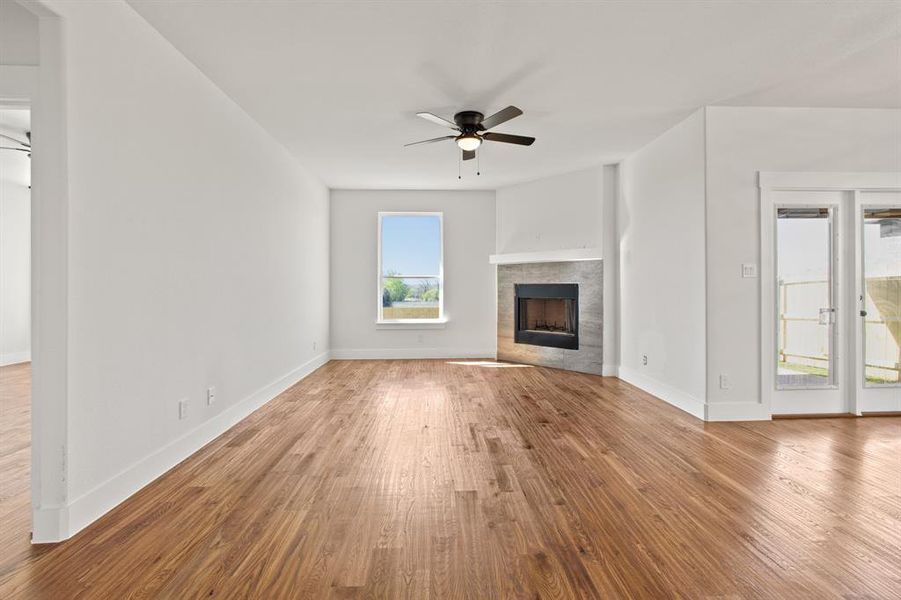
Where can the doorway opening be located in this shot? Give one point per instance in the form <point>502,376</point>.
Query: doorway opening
<point>15,325</point>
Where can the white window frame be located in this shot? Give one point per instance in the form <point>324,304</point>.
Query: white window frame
<point>411,323</point>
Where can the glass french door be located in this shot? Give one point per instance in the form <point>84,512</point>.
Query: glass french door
<point>879,301</point>
<point>811,377</point>
<point>837,302</point>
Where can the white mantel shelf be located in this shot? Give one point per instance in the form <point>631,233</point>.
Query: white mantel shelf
<point>546,256</point>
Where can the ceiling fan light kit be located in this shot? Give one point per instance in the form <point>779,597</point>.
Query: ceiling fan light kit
<point>473,129</point>
<point>469,141</point>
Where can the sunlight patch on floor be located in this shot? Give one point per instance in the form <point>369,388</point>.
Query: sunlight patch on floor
<point>488,363</point>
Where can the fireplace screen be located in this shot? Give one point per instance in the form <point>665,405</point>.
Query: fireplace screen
<point>547,315</point>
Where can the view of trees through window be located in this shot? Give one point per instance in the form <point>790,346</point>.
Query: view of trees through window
<point>410,266</point>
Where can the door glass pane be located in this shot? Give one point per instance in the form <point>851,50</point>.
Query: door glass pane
<point>882,295</point>
<point>805,297</point>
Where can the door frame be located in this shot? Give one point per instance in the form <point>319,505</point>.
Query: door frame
<point>779,181</point>
<point>43,89</point>
<point>876,402</point>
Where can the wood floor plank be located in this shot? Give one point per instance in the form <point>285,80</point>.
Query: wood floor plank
<point>451,479</point>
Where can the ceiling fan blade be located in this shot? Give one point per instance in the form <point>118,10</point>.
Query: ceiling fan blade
<point>502,116</point>
<point>508,138</point>
<point>12,139</point>
<point>19,149</point>
<point>437,120</point>
<point>469,154</point>
<point>437,139</point>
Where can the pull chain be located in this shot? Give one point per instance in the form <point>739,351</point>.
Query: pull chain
<point>478,163</point>
<point>459,163</point>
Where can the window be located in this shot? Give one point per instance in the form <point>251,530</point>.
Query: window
<point>411,268</point>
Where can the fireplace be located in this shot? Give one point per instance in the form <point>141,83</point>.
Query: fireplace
<point>547,314</point>
<point>527,312</point>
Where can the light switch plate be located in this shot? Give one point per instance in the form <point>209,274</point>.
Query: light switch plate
<point>725,384</point>
<point>749,270</point>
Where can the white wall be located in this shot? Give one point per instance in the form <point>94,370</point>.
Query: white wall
<point>197,256</point>
<point>662,253</point>
<point>563,212</point>
<point>469,280</point>
<point>15,267</point>
<point>610,253</point>
<point>741,142</point>
<point>18,35</point>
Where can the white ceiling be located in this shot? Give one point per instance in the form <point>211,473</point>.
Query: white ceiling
<point>339,83</point>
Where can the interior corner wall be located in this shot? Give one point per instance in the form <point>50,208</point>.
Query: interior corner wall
<point>196,255</point>
<point>562,212</point>
<point>610,254</point>
<point>741,141</point>
<point>661,221</point>
<point>470,296</point>
<point>569,211</point>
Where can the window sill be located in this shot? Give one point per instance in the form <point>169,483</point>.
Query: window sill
<point>412,324</point>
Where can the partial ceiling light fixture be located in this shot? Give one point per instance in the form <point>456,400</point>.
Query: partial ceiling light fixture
<point>22,146</point>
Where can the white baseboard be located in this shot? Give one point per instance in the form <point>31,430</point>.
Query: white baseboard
<point>737,411</point>
<point>411,353</point>
<point>610,371</point>
<point>49,524</point>
<point>14,358</point>
<point>65,521</point>
<point>670,395</point>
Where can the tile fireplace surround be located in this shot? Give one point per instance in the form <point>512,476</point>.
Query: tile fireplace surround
<point>589,275</point>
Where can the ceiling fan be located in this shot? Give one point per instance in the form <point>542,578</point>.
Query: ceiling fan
<point>473,129</point>
<point>22,146</point>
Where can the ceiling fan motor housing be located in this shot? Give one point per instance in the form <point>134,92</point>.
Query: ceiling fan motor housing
<point>469,121</point>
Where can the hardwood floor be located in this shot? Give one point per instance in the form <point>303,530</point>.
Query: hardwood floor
<point>15,466</point>
<point>395,479</point>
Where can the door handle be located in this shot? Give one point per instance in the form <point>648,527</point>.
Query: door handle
<point>863,313</point>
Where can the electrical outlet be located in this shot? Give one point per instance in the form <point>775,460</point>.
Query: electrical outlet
<point>314,346</point>
<point>644,359</point>
<point>210,396</point>
<point>182,409</point>
<point>725,384</point>
<point>749,270</point>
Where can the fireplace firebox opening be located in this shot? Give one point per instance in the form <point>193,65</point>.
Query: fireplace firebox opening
<point>547,314</point>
